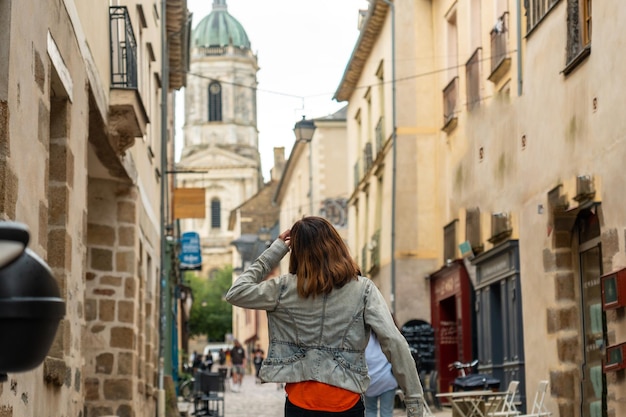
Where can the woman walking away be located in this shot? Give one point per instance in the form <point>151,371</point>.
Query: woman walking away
<point>320,316</point>
<point>381,393</point>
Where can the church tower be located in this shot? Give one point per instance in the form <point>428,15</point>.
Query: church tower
<point>220,130</point>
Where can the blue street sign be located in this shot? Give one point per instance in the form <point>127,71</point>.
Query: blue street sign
<point>190,255</point>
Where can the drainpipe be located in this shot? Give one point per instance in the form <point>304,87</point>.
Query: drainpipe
<point>164,135</point>
<point>394,152</point>
<point>519,47</point>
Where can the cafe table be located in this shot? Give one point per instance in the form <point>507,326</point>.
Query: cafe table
<point>474,403</point>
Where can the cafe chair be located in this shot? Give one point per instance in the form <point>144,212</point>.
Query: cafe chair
<point>539,409</point>
<point>507,409</point>
<point>209,394</point>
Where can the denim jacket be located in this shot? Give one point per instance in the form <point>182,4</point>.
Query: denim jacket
<point>323,338</point>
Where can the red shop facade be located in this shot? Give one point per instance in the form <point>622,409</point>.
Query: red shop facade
<point>451,301</point>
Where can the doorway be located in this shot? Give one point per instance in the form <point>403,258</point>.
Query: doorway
<point>593,319</point>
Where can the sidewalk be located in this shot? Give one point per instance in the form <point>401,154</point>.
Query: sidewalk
<point>267,400</point>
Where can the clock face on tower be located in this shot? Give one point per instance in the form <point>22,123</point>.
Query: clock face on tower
<point>215,89</point>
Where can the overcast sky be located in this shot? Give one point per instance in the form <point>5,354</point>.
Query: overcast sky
<point>303,47</point>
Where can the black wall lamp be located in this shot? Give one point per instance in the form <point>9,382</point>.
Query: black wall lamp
<point>30,303</point>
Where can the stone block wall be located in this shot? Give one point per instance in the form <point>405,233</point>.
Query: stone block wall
<point>120,348</point>
<point>564,315</point>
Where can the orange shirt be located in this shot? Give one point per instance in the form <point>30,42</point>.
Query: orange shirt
<point>313,395</point>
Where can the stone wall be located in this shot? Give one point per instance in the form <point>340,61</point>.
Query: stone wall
<point>120,359</point>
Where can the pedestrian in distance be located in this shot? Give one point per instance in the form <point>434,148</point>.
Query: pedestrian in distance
<point>238,358</point>
<point>320,315</point>
<point>222,357</point>
<point>257,358</point>
<point>207,363</point>
<point>196,362</point>
<point>381,393</point>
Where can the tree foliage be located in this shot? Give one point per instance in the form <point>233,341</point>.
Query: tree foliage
<point>211,315</point>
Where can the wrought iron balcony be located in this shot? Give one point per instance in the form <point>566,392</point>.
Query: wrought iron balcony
<point>380,135</point>
<point>364,259</point>
<point>127,114</point>
<point>123,49</point>
<point>367,156</point>
<point>500,61</point>
<point>472,71</point>
<point>374,248</point>
<point>450,98</point>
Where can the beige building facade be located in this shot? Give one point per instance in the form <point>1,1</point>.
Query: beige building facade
<point>507,170</point>
<point>374,165</point>
<point>314,181</point>
<point>532,158</point>
<point>80,127</point>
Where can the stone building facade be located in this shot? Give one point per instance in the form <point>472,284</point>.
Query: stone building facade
<point>80,135</point>
<point>255,223</point>
<point>509,133</point>
<point>220,152</point>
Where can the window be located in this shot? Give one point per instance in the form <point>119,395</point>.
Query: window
<point>472,229</point>
<point>216,218</point>
<point>472,72</point>
<point>449,241</point>
<point>215,102</point>
<point>578,30</point>
<point>536,10</point>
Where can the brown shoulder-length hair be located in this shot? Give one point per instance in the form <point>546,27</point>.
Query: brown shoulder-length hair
<point>319,257</point>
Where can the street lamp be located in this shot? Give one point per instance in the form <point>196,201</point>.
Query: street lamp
<point>304,131</point>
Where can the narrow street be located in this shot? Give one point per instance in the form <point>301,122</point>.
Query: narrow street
<point>266,400</point>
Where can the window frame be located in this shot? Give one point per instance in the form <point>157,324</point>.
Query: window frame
<point>579,18</point>
<point>214,102</point>
<point>216,215</point>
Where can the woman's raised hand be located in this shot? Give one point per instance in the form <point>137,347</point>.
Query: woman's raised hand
<point>285,237</point>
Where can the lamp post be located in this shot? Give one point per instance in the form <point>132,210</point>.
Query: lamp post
<point>304,131</point>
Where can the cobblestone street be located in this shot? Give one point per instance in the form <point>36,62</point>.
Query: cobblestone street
<point>266,400</point>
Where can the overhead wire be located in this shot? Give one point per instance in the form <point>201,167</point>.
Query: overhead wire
<point>360,87</point>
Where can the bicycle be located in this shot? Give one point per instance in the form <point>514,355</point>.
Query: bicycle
<point>185,388</point>
<point>463,368</point>
<point>468,379</point>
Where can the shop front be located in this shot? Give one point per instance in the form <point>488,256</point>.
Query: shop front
<point>498,307</point>
<point>452,320</point>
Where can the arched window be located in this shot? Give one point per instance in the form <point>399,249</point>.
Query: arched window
<point>216,218</point>
<point>215,102</point>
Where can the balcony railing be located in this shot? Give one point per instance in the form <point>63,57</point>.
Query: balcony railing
<point>472,71</point>
<point>380,135</point>
<point>123,49</point>
<point>449,240</point>
<point>498,42</point>
<point>364,259</point>
<point>375,251</point>
<point>126,108</point>
<point>450,97</point>
<point>500,61</point>
<point>367,156</point>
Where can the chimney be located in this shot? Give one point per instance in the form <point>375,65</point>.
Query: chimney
<point>279,164</point>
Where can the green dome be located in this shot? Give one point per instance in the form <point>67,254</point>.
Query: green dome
<point>219,28</point>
